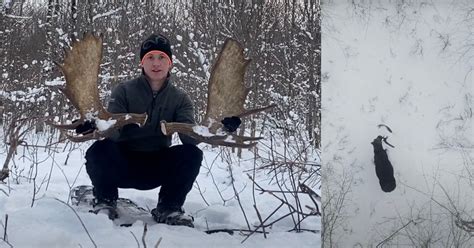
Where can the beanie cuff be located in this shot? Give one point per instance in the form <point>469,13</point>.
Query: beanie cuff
<point>158,52</point>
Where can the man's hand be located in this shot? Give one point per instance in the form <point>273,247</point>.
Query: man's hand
<point>231,123</point>
<point>86,127</point>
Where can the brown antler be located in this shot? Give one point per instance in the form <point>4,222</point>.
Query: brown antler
<point>81,69</point>
<point>226,97</point>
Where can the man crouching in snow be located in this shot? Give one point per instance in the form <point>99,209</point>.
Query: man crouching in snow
<point>141,157</point>
<point>383,166</point>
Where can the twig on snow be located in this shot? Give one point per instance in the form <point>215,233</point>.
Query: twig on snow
<point>145,229</point>
<point>136,240</point>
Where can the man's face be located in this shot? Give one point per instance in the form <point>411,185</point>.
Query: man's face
<point>156,65</point>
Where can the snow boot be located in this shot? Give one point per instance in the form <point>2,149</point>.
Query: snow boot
<point>172,216</point>
<point>106,205</point>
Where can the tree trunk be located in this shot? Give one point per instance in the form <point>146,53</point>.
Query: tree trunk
<point>49,16</point>
<point>73,11</point>
<point>2,110</point>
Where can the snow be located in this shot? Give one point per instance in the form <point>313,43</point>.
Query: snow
<point>108,13</point>
<point>18,17</point>
<point>36,208</point>
<point>103,125</point>
<point>407,65</point>
<point>203,131</point>
<point>60,31</point>
<point>229,139</point>
<point>55,82</point>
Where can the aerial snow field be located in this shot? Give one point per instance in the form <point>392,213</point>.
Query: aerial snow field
<point>406,64</point>
<point>42,219</point>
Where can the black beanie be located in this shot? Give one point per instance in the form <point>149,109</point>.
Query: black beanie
<point>156,42</point>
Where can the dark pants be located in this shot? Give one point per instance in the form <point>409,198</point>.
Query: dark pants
<point>175,169</point>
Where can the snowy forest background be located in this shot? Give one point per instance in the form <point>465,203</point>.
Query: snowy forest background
<point>275,187</point>
<point>282,39</point>
<point>408,65</point>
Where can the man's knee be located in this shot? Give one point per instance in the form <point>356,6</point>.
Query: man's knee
<point>193,152</point>
<point>100,148</point>
<point>100,155</point>
<point>188,155</point>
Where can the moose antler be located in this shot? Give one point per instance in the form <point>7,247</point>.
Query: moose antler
<point>81,69</point>
<point>226,98</point>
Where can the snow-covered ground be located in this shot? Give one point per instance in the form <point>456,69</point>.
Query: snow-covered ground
<point>51,223</point>
<point>406,64</point>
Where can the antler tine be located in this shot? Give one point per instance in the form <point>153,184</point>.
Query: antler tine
<point>230,144</point>
<point>254,111</point>
<point>77,139</point>
<point>90,136</point>
<point>96,134</point>
<point>223,139</point>
<point>64,126</point>
<point>229,140</point>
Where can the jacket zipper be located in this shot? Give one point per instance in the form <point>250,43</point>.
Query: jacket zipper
<point>152,107</point>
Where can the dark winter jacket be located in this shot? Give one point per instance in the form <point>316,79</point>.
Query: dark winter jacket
<point>136,96</point>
